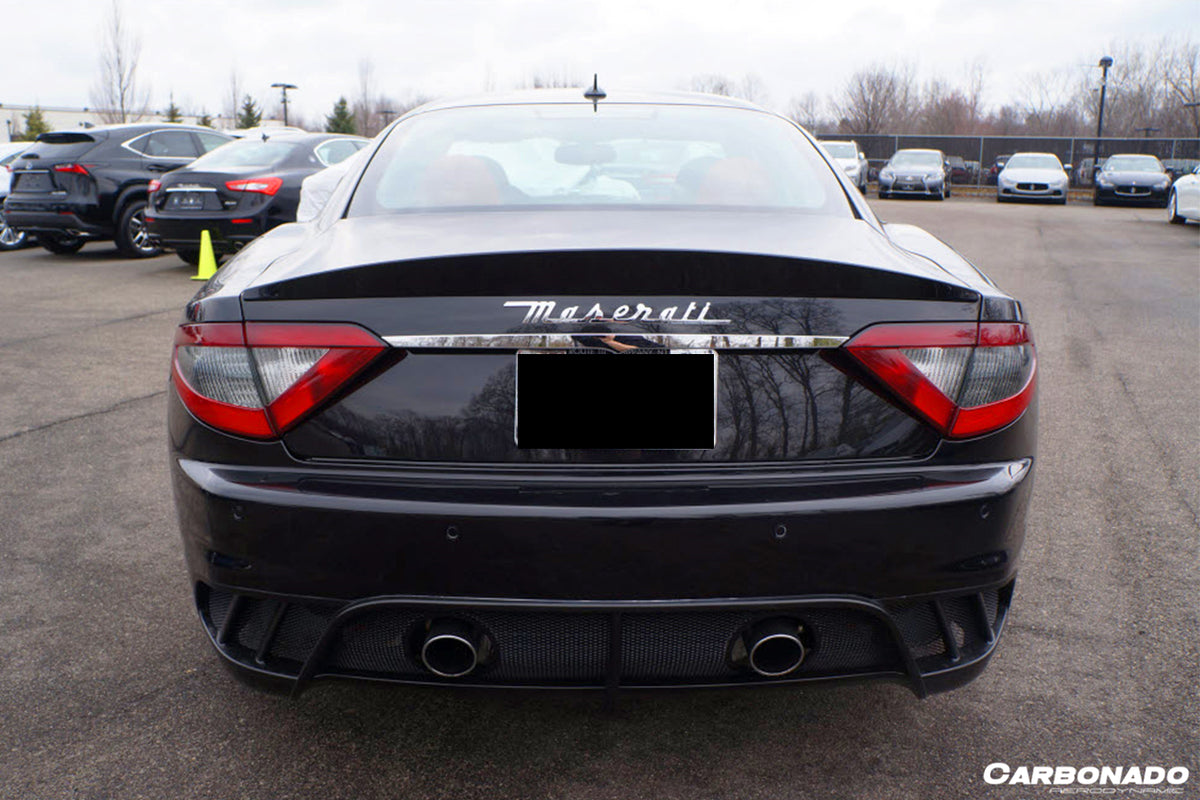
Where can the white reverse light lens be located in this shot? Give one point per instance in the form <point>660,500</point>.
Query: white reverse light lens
<point>281,367</point>
<point>943,366</point>
<point>220,373</point>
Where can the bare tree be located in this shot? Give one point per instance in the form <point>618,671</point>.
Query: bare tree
<point>1181,73</point>
<point>364,104</point>
<point>808,112</point>
<point>550,78</point>
<point>750,87</point>
<point>233,100</point>
<point>877,99</point>
<point>117,95</point>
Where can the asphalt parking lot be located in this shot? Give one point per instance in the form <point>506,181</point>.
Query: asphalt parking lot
<point>108,687</point>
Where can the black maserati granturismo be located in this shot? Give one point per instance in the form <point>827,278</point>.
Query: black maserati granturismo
<point>588,391</point>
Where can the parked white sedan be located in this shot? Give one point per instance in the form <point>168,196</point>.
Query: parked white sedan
<point>1184,202</point>
<point>1032,176</point>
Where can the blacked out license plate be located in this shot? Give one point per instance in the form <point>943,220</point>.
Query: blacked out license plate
<point>660,401</point>
<point>186,201</point>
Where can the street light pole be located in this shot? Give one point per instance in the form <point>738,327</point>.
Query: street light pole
<point>1105,63</point>
<point>283,90</point>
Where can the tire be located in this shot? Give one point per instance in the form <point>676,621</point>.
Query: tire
<point>62,245</point>
<point>189,256</point>
<point>1173,209</point>
<point>11,238</point>
<point>132,237</point>
<point>883,195</point>
<point>999,199</point>
<point>1096,201</point>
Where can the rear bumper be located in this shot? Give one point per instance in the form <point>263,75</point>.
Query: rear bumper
<point>343,535</point>
<point>55,221</point>
<point>931,644</point>
<point>184,232</point>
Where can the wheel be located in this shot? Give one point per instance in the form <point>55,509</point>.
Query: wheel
<point>189,256</point>
<point>947,190</point>
<point>942,195</point>
<point>883,195</point>
<point>61,245</point>
<point>1173,210</point>
<point>132,237</point>
<point>1062,201</point>
<point>11,238</point>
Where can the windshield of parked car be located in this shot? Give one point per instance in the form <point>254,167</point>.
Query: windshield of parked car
<point>1133,164</point>
<point>1031,161</point>
<point>245,153</point>
<point>915,158</point>
<point>841,149</point>
<point>571,155</point>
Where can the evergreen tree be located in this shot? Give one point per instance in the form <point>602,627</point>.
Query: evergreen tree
<point>35,125</point>
<point>204,119</point>
<point>173,114</point>
<point>341,120</point>
<point>249,116</point>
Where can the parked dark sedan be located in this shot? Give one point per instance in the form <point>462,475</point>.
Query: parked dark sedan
<point>627,391</point>
<point>1132,179</point>
<point>996,168</point>
<point>75,186</point>
<point>241,190</point>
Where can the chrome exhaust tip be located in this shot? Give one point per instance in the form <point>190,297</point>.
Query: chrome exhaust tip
<point>451,648</point>
<point>774,647</point>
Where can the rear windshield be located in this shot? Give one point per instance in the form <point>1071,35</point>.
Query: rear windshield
<point>245,153</point>
<point>571,155</point>
<point>840,149</point>
<point>1034,162</point>
<point>60,146</point>
<point>1133,164</point>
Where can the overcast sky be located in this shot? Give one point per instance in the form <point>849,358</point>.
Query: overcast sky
<point>453,47</point>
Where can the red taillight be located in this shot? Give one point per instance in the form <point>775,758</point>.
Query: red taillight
<point>78,169</point>
<point>261,379</point>
<point>267,186</point>
<point>965,379</point>
<point>154,184</point>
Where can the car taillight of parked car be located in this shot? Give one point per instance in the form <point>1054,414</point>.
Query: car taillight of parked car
<point>267,186</point>
<point>260,379</point>
<point>77,169</point>
<point>965,379</point>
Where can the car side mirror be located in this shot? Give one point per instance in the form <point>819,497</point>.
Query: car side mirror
<point>1067,167</point>
<point>862,156</point>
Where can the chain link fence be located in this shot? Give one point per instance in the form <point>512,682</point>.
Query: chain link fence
<point>979,153</point>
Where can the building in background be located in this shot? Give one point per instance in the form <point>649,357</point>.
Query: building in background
<point>12,119</point>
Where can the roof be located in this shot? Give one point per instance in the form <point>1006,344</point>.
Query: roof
<point>575,96</point>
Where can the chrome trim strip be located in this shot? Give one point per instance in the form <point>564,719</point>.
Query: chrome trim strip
<point>187,188</point>
<point>567,341</point>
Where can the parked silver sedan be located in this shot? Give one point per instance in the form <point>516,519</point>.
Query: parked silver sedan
<point>915,172</point>
<point>1033,176</point>
<point>852,161</point>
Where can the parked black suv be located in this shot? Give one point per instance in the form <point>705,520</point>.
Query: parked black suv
<point>75,186</point>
